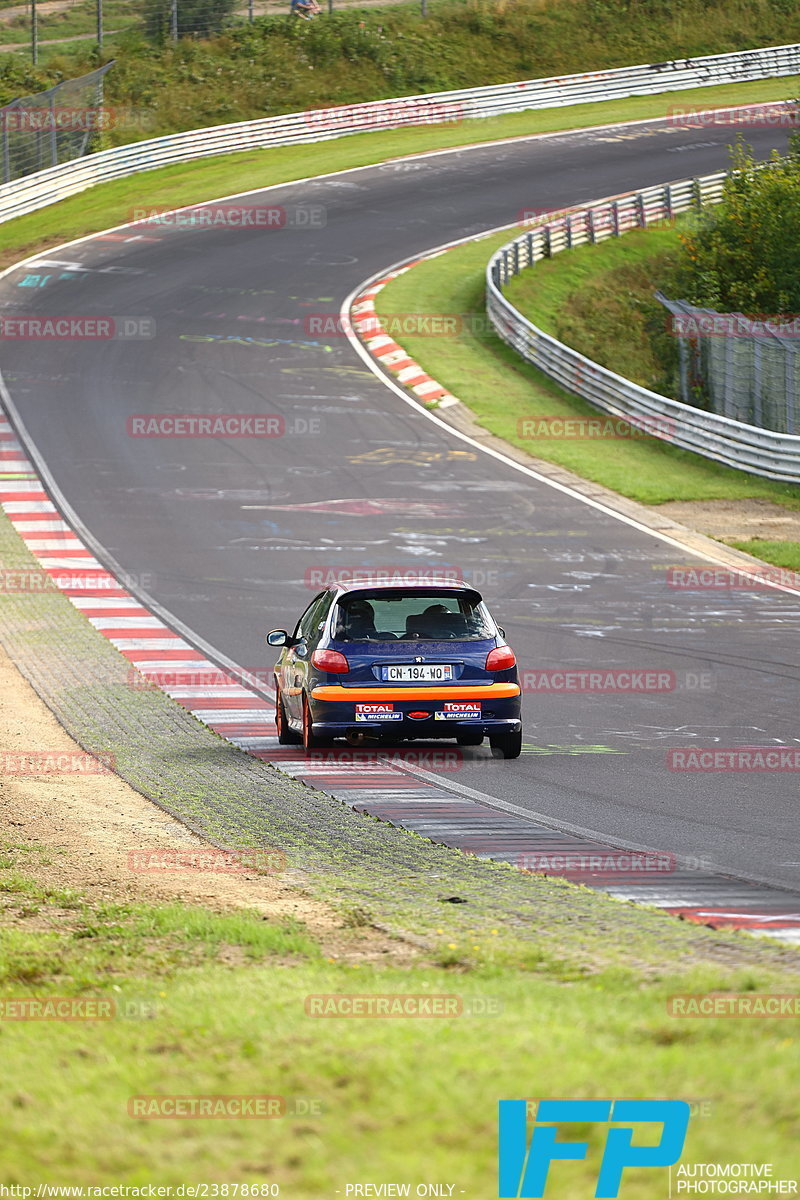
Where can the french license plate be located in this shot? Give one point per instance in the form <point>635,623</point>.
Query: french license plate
<point>418,673</point>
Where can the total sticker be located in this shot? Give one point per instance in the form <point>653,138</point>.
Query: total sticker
<point>459,711</point>
<point>377,712</point>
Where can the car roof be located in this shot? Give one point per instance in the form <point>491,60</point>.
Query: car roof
<point>375,585</point>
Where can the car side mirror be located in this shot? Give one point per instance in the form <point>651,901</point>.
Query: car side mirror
<point>501,631</point>
<point>277,637</point>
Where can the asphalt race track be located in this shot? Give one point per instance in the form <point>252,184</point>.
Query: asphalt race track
<point>232,536</point>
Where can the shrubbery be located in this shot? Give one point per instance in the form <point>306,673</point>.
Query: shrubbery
<point>280,64</point>
<point>744,255</point>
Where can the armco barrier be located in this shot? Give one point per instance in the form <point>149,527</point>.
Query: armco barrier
<point>45,187</point>
<point>746,447</point>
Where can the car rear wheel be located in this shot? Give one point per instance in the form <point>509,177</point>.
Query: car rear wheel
<point>311,740</point>
<point>509,744</point>
<point>470,737</point>
<point>286,735</point>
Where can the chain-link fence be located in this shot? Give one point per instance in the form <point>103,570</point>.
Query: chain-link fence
<point>53,127</point>
<point>740,367</point>
<point>44,29</point>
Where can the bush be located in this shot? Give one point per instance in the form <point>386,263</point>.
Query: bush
<point>744,254</point>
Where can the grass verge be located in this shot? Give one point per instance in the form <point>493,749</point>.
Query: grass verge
<point>211,1004</point>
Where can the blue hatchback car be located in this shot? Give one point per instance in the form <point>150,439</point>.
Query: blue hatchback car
<point>393,662</point>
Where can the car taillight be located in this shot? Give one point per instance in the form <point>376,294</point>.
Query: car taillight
<point>330,660</point>
<point>500,659</point>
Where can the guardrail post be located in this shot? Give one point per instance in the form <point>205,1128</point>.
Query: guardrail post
<point>758,415</point>
<point>529,240</point>
<point>641,215</point>
<point>789,385</point>
<point>568,230</point>
<point>697,193</point>
<point>615,218</point>
<point>53,135</point>
<point>590,225</point>
<point>668,201</point>
<point>516,258</point>
<point>546,249</point>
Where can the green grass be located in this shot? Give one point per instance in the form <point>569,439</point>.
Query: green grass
<point>599,300</point>
<point>502,390</point>
<point>208,1008</point>
<point>68,22</point>
<point>781,554</point>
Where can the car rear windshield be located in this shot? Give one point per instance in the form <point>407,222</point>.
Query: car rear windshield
<point>411,616</point>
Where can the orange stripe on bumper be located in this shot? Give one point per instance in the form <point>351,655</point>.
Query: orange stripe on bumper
<point>479,691</point>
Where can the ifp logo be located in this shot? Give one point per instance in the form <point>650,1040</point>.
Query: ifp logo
<point>524,1167</point>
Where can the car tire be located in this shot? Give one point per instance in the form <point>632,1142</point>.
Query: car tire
<point>311,740</point>
<point>509,744</point>
<point>286,735</point>
<point>470,737</point>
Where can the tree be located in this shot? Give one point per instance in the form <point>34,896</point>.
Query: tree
<point>743,255</point>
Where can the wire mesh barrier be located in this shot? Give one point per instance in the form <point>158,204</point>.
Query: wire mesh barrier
<point>52,127</point>
<point>745,368</point>
<point>732,440</point>
<point>45,187</point>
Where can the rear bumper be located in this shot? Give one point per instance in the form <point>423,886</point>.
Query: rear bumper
<point>424,730</point>
<point>432,693</point>
<point>385,712</point>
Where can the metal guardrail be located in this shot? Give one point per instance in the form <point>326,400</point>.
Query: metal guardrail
<point>734,443</point>
<point>46,187</point>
